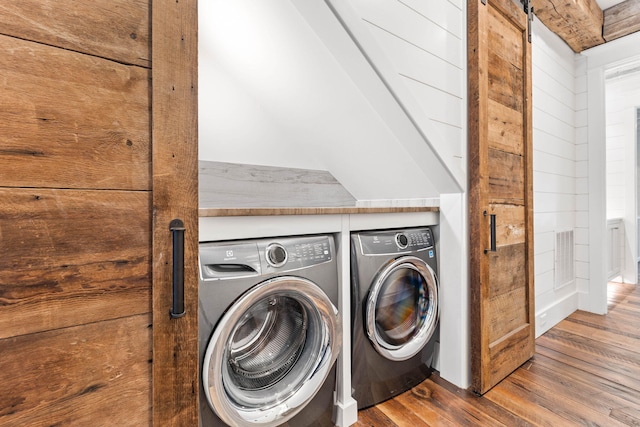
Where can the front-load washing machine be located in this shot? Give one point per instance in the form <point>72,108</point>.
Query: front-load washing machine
<point>269,331</point>
<point>394,311</point>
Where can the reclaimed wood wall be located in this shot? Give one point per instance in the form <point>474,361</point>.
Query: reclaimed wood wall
<point>76,213</point>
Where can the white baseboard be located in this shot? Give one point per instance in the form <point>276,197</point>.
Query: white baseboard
<point>553,314</point>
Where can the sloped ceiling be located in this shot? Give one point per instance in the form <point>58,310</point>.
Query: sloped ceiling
<point>283,84</point>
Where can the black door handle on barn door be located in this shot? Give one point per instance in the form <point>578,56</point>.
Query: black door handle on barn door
<point>176,227</point>
<point>492,230</point>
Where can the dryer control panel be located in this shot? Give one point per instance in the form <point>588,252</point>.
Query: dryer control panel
<point>396,241</point>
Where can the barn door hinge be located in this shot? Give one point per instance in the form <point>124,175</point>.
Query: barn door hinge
<point>528,9</point>
<point>484,2</point>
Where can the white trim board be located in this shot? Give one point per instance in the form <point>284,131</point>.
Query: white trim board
<point>550,316</point>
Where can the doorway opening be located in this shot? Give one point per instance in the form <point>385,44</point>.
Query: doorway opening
<point>622,164</point>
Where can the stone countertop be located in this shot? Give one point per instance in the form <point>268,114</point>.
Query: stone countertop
<point>229,189</point>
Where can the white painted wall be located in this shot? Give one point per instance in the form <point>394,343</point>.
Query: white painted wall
<point>273,92</point>
<point>622,91</point>
<point>423,42</point>
<point>581,230</point>
<point>554,170</point>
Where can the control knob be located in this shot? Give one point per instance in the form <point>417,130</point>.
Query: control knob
<point>402,240</point>
<point>276,255</point>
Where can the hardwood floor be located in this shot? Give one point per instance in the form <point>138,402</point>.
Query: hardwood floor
<point>586,372</point>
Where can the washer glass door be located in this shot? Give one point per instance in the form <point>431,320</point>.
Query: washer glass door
<point>271,352</point>
<point>402,308</point>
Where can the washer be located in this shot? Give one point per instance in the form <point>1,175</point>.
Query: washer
<point>394,311</point>
<point>269,331</point>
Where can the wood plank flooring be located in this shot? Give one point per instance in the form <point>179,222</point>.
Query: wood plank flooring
<point>586,372</point>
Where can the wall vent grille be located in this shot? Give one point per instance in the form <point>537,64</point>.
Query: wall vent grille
<point>564,271</point>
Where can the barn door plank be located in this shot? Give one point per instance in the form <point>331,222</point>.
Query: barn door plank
<point>115,29</point>
<point>175,196</point>
<point>500,191</point>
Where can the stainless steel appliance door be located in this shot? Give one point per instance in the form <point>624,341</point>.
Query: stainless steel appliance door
<point>271,352</point>
<point>402,308</point>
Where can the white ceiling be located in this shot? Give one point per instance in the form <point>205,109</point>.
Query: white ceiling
<point>606,4</point>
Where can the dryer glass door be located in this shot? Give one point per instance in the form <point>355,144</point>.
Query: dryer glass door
<point>271,352</point>
<point>402,308</point>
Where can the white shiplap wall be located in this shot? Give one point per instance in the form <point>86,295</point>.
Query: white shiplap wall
<point>424,42</point>
<point>622,99</point>
<point>555,128</point>
<point>616,109</point>
<point>581,238</point>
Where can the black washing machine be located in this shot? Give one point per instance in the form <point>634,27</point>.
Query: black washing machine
<point>394,311</point>
<point>269,332</point>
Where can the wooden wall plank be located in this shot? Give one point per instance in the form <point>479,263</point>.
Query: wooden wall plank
<point>507,312</point>
<point>577,22</point>
<point>504,41</point>
<point>510,224</point>
<point>70,257</point>
<point>50,227</point>
<point>507,270</point>
<point>175,195</point>
<point>505,82</point>
<point>505,128</point>
<point>507,351</point>
<point>72,121</point>
<point>96,374</point>
<point>114,29</point>
<point>506,177</point>
<point>621,20</point>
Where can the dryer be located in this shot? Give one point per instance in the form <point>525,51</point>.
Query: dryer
<point>269,331</point>
<point>394,311</point>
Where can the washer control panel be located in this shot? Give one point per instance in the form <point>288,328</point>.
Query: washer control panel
<point>395,241</point>
<point>299,253</point>
<point>236,259</point>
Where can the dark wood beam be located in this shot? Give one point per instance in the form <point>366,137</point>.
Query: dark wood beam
<point>621,20</point>
<point>577,22</point>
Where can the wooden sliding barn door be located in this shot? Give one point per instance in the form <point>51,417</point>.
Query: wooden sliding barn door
<point>98,154</point>
<point>500,190</point>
